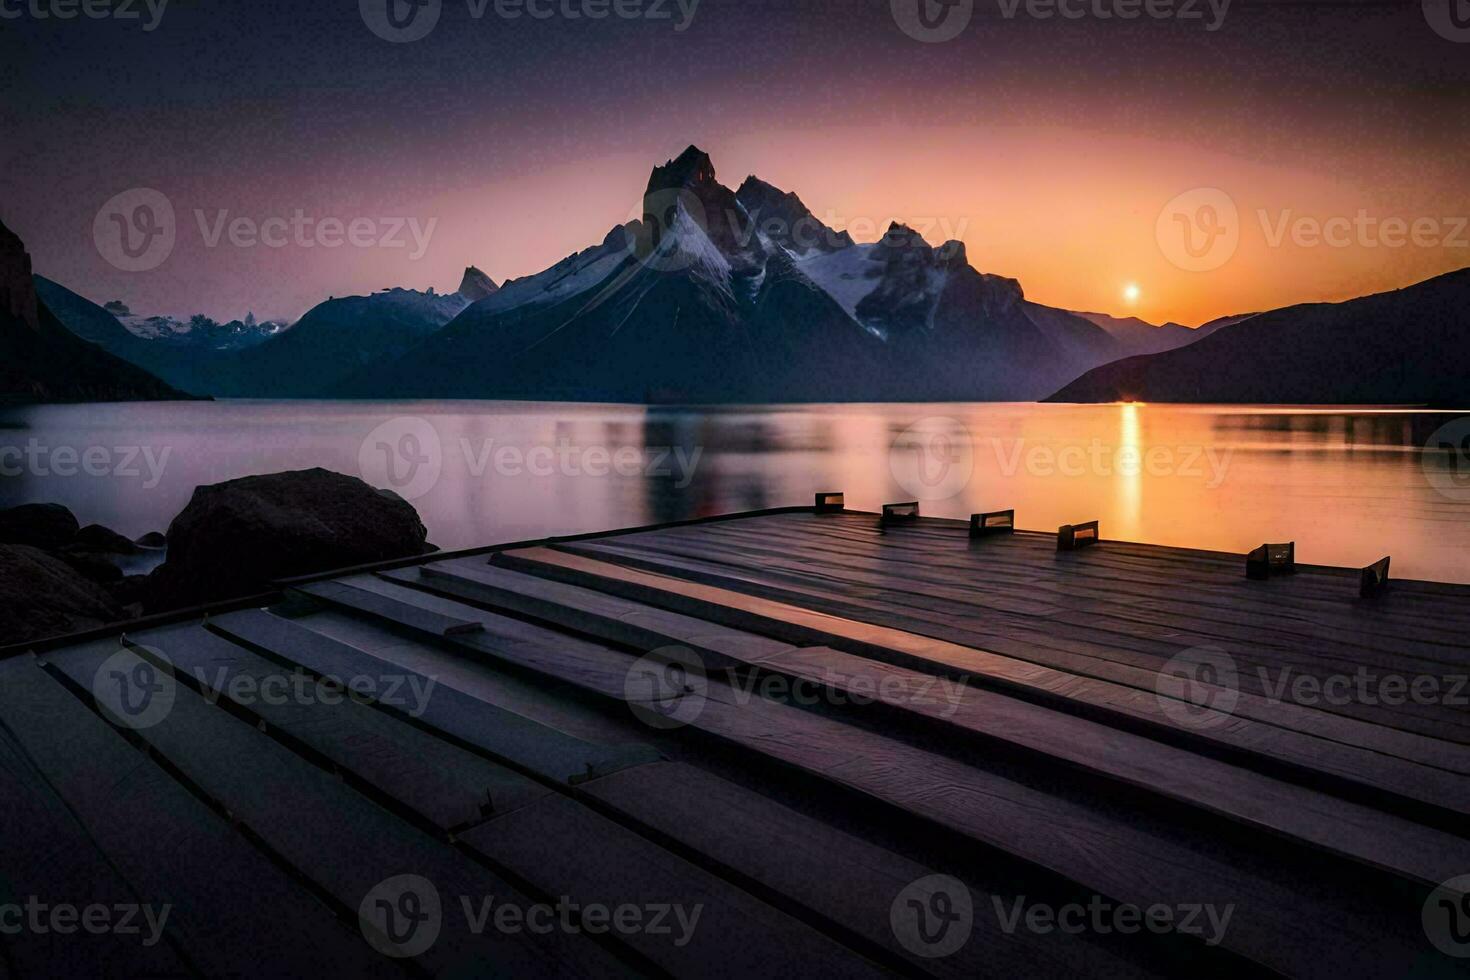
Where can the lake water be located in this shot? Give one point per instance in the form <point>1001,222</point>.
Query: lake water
<point>1348,485</point>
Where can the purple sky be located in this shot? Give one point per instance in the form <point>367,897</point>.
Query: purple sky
<point>1048,144</point>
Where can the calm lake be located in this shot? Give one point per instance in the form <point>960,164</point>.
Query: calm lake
<point>1348,485</point>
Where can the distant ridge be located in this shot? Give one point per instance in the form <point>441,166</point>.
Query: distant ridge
<point>1407,346</point>
<point>42,361</point>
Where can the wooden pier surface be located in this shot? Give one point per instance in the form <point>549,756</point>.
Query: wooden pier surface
<point>790,721</point>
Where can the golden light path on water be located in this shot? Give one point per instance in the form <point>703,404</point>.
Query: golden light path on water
<point>1349,485</point>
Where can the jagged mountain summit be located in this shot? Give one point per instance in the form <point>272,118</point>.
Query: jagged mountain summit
<point>716,295</point>
<point>475,285</point>
<point>42,361</point>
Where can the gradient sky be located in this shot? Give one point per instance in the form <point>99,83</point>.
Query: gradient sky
<point>1049,146</point>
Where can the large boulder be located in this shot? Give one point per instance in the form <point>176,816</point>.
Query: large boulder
<point>98,540</point>
<point>235,538</point>
<point>41,596</point>
<point>38,526</point>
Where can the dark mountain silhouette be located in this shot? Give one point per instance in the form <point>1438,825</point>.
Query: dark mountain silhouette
<point>475,285</point>
<point>1409,346</point>
<point>333,340</point>
<point>1141,337</point>
<point>722,296</point>
<point>42,361</point>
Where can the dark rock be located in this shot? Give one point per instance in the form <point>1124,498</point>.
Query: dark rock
<point>38,526</point>
<point>236,538</point>
<point>129,589</point>
<point>99,540</point>
<point>41,596</point>
<point>93,567</point>
<point>153,539</point>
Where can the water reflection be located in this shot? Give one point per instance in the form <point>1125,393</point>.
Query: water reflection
<point>1349,486</point>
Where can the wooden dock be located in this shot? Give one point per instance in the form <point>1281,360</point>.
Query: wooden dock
<point>791,722</point>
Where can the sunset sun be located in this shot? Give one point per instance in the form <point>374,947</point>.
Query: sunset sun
<point>1131,292</point>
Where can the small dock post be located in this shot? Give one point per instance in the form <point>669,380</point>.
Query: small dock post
<point>1071,537</point>
<point>899,513</point>
<point>1270,560</point>
<point>1375,579</point>
<point>830,503</point>
<point>995,522</point>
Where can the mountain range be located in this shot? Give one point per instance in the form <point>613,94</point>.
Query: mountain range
<point>43,361</point>
<point>1406,346</point>
<point>718,295</point>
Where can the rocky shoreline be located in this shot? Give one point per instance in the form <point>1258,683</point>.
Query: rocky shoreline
<point>233,539</point>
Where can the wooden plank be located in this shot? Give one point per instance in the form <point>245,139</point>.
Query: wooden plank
<point>1291,911</point>
<point>1318,751</point>
<point>346,845</point>
<point>713,928</point>
<point>1389,843</point>
<point>924,574</point>
<point>173,850</point>
<point>1116,570</point>
<point>502,734</point>
<point>443,785</point>
<point>1160,627</point>
<point>46,854</point>
<point>1117,566</point>
<point>423,620</point>
<point>846,881</point>
<point>1338,827</point>
<point>940,624</point>
<point>597,614</point>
